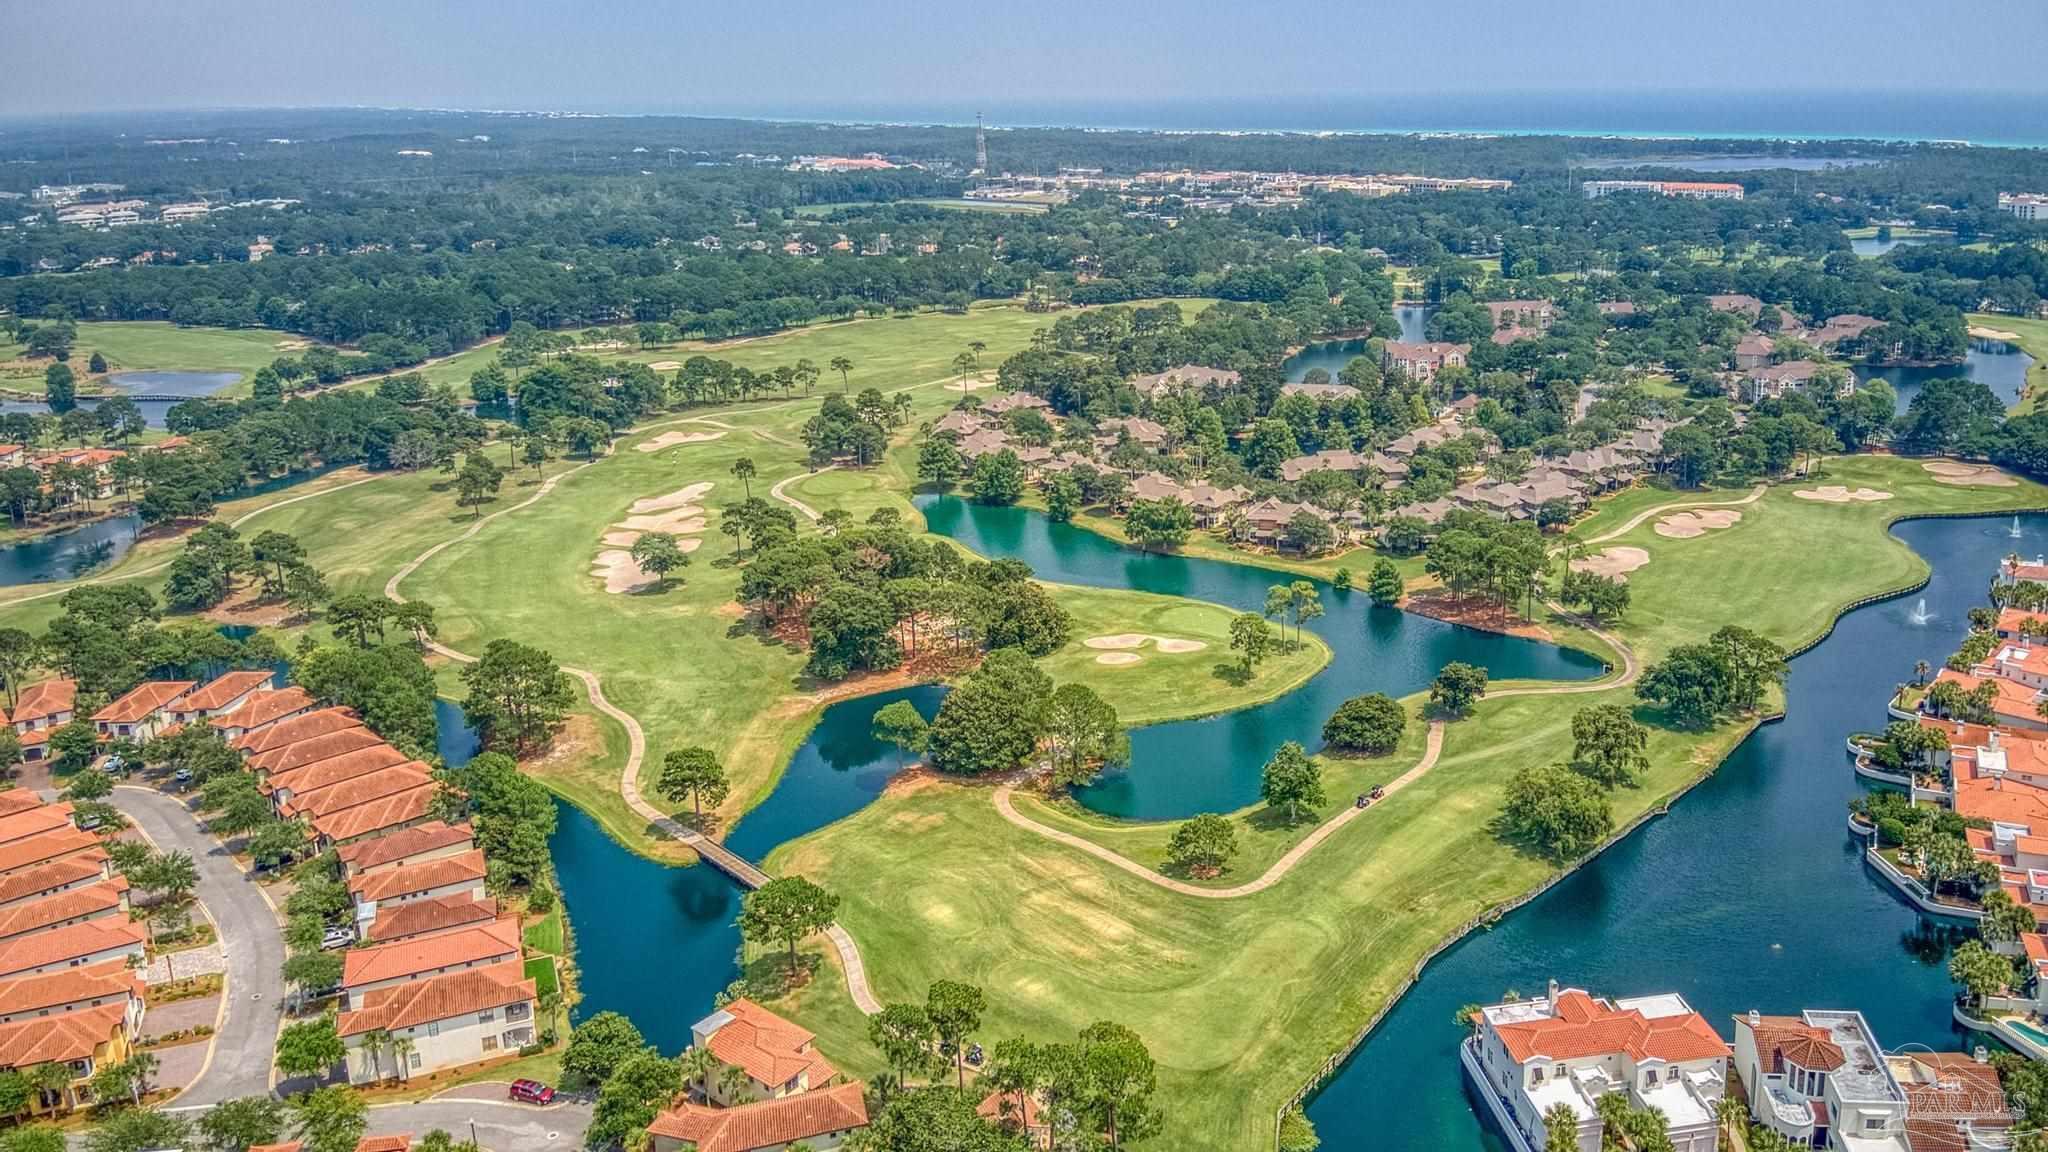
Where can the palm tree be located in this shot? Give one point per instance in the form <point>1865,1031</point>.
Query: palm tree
<point>51,1079</point>
<point>140,1066</point>
<point>743,471</point>
<point>1920,671</point>
<point>1560,1128</point>
<point>375,1043</point>
<point>842,365</point>
<point>401,1049</point>
<point>732,1084</point>
<point>698,1064</point>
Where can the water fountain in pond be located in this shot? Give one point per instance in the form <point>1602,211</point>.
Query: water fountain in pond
<point>1919,615</point>
<point>2014,531</point>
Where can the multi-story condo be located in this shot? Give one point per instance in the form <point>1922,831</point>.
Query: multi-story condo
<point>1820,1080</point>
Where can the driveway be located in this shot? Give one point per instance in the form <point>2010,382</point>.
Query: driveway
<point>501,1126</point>
<point>240,1064</point>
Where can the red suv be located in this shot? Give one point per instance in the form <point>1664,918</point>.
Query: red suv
<point>532,1092</point>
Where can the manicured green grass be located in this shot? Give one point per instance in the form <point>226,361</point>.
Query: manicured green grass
<point>2033,340</point>
<point>140,345</point>
<point>545,934</point>
<point>1242,999</point>
<point>1165,685</point>
<point>541,970</point>
<point>1007,207</point>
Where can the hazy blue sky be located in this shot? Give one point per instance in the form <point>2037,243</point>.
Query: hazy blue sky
<point>818,56</point>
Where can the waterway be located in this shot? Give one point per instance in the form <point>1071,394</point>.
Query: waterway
<point>1748,894</point>
<point>181,384</point>
<point>1332,355</point>
<point>1995,364</point>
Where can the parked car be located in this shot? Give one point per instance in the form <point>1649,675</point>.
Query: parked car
<point>114,766</point>
<point>88,822</point>
<point>974,1055</point>
<point>337,938</point>
<point>182,779</point>
<point>532,1092</point>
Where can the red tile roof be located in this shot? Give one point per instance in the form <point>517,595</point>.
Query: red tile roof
<point>41,849</point>
<point>71,1036</point>
<point>438,998</point>
<point>767,1124</point>
<point>420,877</point>
<point>295,754</point>
<point>225,689</point>
<point>426,917</point>
<point>432,836</point>
<point>1014,1111</point>
<point>70,942</point>
<point>36,915</point>
<point>297,728</point>
<point>393,811</point>
<point>320,774</point>
<point>34,822</point>
<point>771,1049</point>
<point>142,700</point>
<point>70,986</point>
<point>18,800</point>
<point>1782,1038</point>
<point>357,790</point>
<point>1583,1026</point>
<point>44,699</point>
<point>266,707</point>
<point>398,1143</point>
<point>60,873</point>
<point>496,941</point>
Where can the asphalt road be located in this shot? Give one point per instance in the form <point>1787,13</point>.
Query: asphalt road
<point>501,1126</point>
<point>252,942</point>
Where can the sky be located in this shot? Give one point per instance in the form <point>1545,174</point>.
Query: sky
<point>825,57</point>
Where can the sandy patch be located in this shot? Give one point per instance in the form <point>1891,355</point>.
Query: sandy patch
<point>1128,640</point>
<point>1836,494</point>
<point>1612,562</point>
<point>1120,640</point>
<point>666,365</point>
<point>619,573</point>
<point>621,539</point>
<point>1969,475</point>
<point>671,439</point>
<point>675,499</point>
<point>1168,644</point>
<point>1118,658</point>
<point>1686,525</point>
<point>969,385</point>
<point>678,522</point>
<point>1977,333</point>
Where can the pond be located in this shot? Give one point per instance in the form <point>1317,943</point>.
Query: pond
<point>1748,894</point>
<point>1997,365</point>
<point>181,385</point>
<point>1871,246</point>
<point>1332,355</point>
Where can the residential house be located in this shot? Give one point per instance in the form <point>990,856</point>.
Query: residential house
<point>1955,1102</point>
<point>983,442</point>
<point>1746,304</point>
<point>36,852</point>
<point>778,1057</point>
<point>461,875</point>
<point>1187,377</point>
<point>1431,512</point>
<point>1210,503</point>
<point>224,693</point>
<point>292,786</point>
<point>1409,443</point>
<point>41,708</point>
<point>73,946</point>
<point>1847,329</point>
<point>365,970</point>
<point>98,462</point>
<point>1820,1079</point>
<point>2014,570</point>
<point>282,761</point>
<point>433,840</point>
<point>1018,1113</point>
<point>1774,380</point>
<point>1567,1048</point>
<point>1269,518</point>
<point>84,1041</point>
<point>428,917</point>
<point>35,821</point>
<point>444,1021</point>
<point>64,874</point>
<point>1009,402</point>
<point>261,710</point>
<point>1424,360</point>
<point>819,1120</point>
<point>1328,460</point>
<point>2014,705</point>
<point>74,990</point>
<point>304,726</point>
<point>1612,308</point>
<point>379,817</point>
<point>17,799</point>
<point>1319,391</point>
<point>11,455</point>
<point>961,422</point>
<point>140,713</point>
<point>1754,351</point>
<point>1141,431</point>
<point>1520,319</point>
<point>366,788</point>
<point>93,902</point>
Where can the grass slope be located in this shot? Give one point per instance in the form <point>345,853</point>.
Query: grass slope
<point>144,345</point>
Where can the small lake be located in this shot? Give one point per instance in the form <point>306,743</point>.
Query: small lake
<point>182,385</point>
<point>1871,246</point>
<point>1748,894</point>
<point>1995,364</point>
<point>1332,355</point>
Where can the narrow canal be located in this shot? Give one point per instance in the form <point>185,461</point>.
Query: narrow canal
<point>1748,894</point>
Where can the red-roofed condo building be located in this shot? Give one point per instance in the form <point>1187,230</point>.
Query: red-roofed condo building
<point>1568,1048</point>
<point>1819,1079</point>
<point>778,1056</point>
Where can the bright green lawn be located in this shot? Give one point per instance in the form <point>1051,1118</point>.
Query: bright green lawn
<point>541,970</point>
<point>136,345</point>
<point>545,934</point>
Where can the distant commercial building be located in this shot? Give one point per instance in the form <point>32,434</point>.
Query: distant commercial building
<point>2025,205</point>
<point>1687,189</point>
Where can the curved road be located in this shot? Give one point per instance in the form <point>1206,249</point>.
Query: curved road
<point>239,1061</point>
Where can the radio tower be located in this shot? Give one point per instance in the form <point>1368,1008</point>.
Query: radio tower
<point>980,148</point>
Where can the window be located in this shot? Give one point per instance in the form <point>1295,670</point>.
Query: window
<point>487,1015</point>
<point>413,1060</point>
<point>490,1043</point>
<point>1536,1076</point>
<point>433,1028</point>
<point>1650,1078</point>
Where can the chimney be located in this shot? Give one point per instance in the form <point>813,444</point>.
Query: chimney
<point>1755,1018</point>
<point>1981,1055</point>
<point>1994,737</point>
<point>1553,993</point>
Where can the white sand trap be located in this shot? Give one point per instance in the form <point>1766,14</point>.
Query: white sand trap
<point>619,572</point>
<point>666,365</point>
<point>1120,640</point>
<point>1980,333</point>
<point>621,539</point>
<point>969,385</point>
<point>1168,644</point>
<point>1836,494</point>
<point>1686,525</point>
<point>675,499</point>
<point>1968,475</point>
<point>1615,562</point>
<point>1118,658</point>
<point>678,522</point>
<point>671,439</point>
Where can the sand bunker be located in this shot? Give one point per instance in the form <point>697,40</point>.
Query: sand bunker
<point>666,365</point>
<point>621,539</point>
<point>1836,494</point>
<point>1981,333</point>
<point>1686,525</point>
<point>619,572</point>
<point>677,522</point>
<point>671,439</point>
<point>969,385</point>
<point>1127,640</point>
<point>1968,475</point>
<point>675,499</point>
<point>1614,562</point>
<point>1118,658</point>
